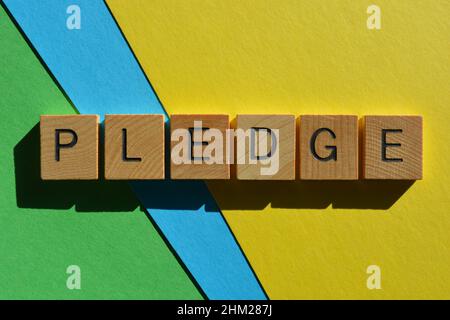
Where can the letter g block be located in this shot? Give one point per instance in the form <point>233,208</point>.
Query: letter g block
<point>328,147</point>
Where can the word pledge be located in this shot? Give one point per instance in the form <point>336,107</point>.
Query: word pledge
<point>260,147</point>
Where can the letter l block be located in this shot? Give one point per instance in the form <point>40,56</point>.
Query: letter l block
<point>134,147</point>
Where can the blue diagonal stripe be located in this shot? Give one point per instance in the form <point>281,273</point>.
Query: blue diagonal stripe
<point>100,75</point>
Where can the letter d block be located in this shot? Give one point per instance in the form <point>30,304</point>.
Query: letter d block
<point>69,147</point>
<point>328,147</point>
<point>199,147</point>
<point>392,147</point>
<point>277,160</point>
<point>134,147</point>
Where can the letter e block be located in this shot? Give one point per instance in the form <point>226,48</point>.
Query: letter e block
<point>198,147</point>
<point>328,147</point>
<point>392,147</point>
<point>134,147</point>
<point>69,147</point>
<point>277,134</point>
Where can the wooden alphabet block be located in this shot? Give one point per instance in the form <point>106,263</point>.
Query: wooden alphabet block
<point>198,147</point>
<point>328,147</point>
<point>273,161</point>
<point>392,147</point>
<point>134,147</point>
<point>69,147</point>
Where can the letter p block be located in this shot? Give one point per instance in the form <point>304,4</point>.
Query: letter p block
<point>69,147</point>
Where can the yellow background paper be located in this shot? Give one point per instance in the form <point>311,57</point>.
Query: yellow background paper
<point>315,240</point>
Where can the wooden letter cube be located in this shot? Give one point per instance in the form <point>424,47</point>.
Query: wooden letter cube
<point>69,147</point>
<point>198,147</point>
<point>134,147</point>
<point>278,132</point>
<point>328,147</point>
<point>392,147</point>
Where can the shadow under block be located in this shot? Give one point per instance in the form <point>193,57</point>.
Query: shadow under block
<point>134,147</point>
<point>195,161</point>
<point>392,147</point>
<point>283,152</point>
<point>69,147</point>
<point>328,147</point>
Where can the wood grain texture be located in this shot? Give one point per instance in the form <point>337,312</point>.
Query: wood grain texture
<point>79,162</point>
<point>409,148</point>
<point>200,170</point>
<point>144,147</point>
<point>285,124</point>
<point>345,129</point>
